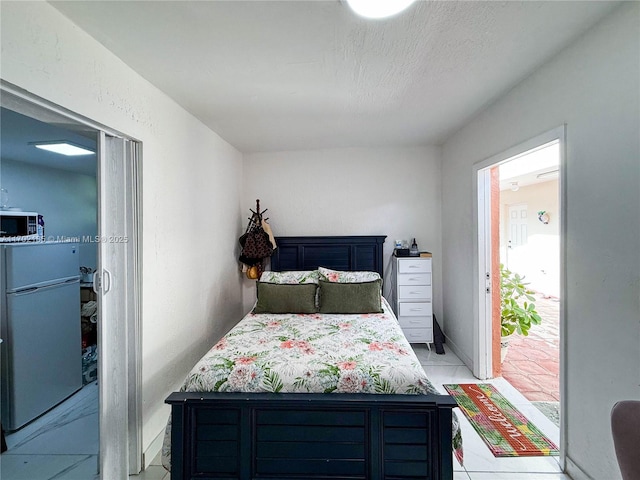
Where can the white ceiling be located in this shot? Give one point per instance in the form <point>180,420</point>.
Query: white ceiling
<point>18,132</point>
<point>289,75</point>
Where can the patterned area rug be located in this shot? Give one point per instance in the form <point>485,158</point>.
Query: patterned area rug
<point>506,431</point>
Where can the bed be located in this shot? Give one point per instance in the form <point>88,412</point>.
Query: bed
<point>313,395</point>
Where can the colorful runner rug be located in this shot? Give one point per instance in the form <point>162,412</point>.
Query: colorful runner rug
<point>506,431</point>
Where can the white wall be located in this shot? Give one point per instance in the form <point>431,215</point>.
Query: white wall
<point>351,191</point>
<point>191,190</point>
<point>594,87</point>
<point>67,201</point>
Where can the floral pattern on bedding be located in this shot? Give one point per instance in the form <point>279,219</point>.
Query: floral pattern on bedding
<point>346,277</point>
<point>293,277</point>
<point>312,353</point>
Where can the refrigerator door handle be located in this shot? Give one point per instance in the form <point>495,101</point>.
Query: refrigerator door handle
<point>106,281</point>
<point>102,285</point>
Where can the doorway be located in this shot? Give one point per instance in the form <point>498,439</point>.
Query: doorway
<point>515,227</point>
<point>50,387</point>
<point>117,242</point>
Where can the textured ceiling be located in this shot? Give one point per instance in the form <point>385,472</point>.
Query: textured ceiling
<point>269,75</point>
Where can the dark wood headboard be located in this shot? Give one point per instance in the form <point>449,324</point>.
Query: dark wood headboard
<point>350,253</point>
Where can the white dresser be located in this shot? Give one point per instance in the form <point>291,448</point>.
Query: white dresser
<point>412,297</point>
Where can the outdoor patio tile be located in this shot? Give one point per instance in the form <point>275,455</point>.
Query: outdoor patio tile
<point>546,382</point>
<point>531,368</point>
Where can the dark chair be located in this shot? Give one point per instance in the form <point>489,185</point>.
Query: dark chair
<point>625,426</point>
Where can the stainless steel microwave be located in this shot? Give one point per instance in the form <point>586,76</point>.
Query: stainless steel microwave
<point>18,226</point>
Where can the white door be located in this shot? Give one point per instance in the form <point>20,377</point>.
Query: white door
<point>518,235</point>
<point>114,283</point>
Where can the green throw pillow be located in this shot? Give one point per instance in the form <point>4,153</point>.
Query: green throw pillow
<point>286,298</point>
<point>350,297</point>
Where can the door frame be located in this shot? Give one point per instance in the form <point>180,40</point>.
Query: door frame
<point>123,387</point>
<point>481,256</point>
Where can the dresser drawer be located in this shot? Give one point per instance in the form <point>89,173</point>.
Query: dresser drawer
<point>416,322</point>
<point>416,292</point>
<point>418,335</point>
<point>413,309</point>
<point>414,279</point>
<point>414,265</point>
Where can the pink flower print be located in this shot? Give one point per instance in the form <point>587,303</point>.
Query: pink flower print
<point>350,382</point>
<point>344,326</point>
<point>273,324</point>
<point>262,341</point>
<point>221,345</point>
<point>304,346</point>
<point>389,345</point>
<point>333,277</point>
<point>347,365</point>
<point>245,360</point>
<point>287,344</point>
<point>375,347</point>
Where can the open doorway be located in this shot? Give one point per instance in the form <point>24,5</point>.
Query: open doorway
<point>49,326</point>
<point>117,287</point>
<point>519,226</point>
<point>529,212</point>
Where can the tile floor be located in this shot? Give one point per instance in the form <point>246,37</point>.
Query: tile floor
<point>42,456</point>
<point>62,444</point>
<point>532,363</point>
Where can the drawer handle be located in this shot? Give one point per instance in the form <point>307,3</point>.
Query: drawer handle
<point>416,310</point>
<point>414,266</point>
<point>414,279</point>
<point>415,293</point>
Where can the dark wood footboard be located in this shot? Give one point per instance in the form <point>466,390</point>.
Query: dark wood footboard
<point>310,436</point>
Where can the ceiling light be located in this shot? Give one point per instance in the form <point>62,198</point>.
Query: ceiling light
<point>378,8</point>
<point>63,148</point>
<point>515,187</point>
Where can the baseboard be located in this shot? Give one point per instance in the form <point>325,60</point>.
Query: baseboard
<point>574,471</point>
<point>152,451</point>
<point>461,355</point>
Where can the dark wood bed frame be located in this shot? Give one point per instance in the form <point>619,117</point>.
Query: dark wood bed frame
<point>313,436</point>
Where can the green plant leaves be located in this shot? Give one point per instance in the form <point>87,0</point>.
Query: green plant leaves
<point>515,317</point>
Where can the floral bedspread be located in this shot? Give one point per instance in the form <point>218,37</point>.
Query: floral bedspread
<point>312,353</point>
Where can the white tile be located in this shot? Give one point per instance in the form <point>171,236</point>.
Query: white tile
<point>461,476</point>
<point>38,467</point>
<point>85,470</point>
<point>440,375</point>
<point>86,399</point>
<point>518,476</point>
<point>430,357</point>
<point>78,436</point>
<point>153,472</point>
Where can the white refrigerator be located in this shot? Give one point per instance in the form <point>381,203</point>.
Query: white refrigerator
<point>40,325</point>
